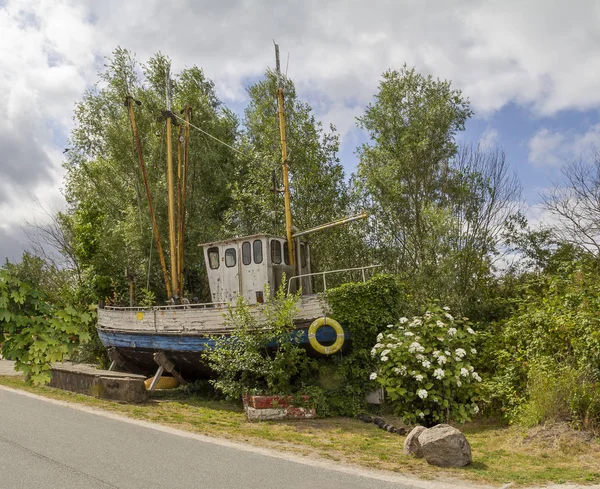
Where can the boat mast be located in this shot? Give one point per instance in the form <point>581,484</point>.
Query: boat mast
<point>284,163</point>
<point>136,136</point>
<point>172,238</point>
<point>179,211</point>
<point>188,111</point>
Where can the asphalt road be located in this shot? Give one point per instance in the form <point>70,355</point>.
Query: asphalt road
<point>46,445</point>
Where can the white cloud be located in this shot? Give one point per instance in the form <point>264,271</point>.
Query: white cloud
<point>553,148</point>
<point>545,148</point>
<point>488,139</point>
<point>544,56</point>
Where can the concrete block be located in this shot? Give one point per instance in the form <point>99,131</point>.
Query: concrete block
<point>85,379</point>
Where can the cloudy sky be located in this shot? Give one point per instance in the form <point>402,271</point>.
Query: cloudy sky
<point>530,69</point>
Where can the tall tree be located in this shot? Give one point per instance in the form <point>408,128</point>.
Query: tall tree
<point>437,212</point>
<point>108,212</point>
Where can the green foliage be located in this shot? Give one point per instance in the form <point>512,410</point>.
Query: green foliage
<point>364,309</point>
<point>36,332</point>
<point>263,358</point>
<point>561,393</point>
<point>108,212</point>
<point>437,210</point>
<point>147,299</point>
<point>425,367</point>
<point>555,323</point>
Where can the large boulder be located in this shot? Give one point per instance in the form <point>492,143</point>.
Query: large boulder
<point>445,446</point>
<point>411,444</point>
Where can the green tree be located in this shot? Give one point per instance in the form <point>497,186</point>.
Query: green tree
<point>437,212</point>
<point>35,331</point>
<point>319,192</point>
<point>108,212</point>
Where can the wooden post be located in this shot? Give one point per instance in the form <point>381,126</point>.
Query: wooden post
<point>284,163</point>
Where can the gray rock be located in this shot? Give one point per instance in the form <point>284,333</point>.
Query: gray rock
<point>412,445</point>
<point>445,446</point>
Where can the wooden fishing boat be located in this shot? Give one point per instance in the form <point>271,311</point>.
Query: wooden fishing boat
<point>236,267</point>
<point>175,335</point>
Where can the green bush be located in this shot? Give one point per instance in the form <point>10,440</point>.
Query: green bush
<point>424,365</point>
<point>363,310</point>
<point>561,393</point>
<point>550,343</point>
<point>35,332</point>
<point>263,358</point>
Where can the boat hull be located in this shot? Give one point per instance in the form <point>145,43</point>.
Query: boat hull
<point>185,333</point>
<point>185,351</point>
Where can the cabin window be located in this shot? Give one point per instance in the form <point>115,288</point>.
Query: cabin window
<point>286,253</point>
<point>303,254</point>
<point>257,245</point>
<point>246,253</point>
<point>275,252</point>
<point>230,257</point>
<point>213,258</point>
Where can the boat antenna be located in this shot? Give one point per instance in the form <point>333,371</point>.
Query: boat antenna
<point>171,194</point>
<point>284,162</point>
<point>129,104</point>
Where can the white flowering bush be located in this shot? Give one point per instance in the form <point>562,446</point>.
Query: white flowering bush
<point>424,365</point>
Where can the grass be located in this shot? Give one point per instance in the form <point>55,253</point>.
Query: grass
<point>501,454</point>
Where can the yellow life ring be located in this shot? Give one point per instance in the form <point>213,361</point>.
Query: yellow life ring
<point>312,336</point>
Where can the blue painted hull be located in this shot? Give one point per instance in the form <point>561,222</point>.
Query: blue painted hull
<point>184,350</point>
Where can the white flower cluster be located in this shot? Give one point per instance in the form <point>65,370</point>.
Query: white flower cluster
<point>403,320</point>
<point>415,347</point>
<point>451,331</point>
<point>422,393</point>
<point>439,373</point>
<point>460,353</point>
<point>417,321</point>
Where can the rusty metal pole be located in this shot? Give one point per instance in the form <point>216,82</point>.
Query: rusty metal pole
<point>284,163</point>
<point>161,256</point>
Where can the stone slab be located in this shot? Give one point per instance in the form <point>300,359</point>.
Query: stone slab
<point>85,379</point>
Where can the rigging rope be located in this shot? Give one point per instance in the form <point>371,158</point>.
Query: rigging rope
<point>215,138</point>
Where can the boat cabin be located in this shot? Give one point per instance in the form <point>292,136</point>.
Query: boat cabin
<point>244,266</point>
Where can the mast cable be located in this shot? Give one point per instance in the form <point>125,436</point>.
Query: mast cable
<point>215,138</point>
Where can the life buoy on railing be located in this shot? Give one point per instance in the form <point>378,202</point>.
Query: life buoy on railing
<point>312,336</point>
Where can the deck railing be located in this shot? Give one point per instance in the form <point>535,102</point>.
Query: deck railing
<point>192,305</point>
<point>329,272</point>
